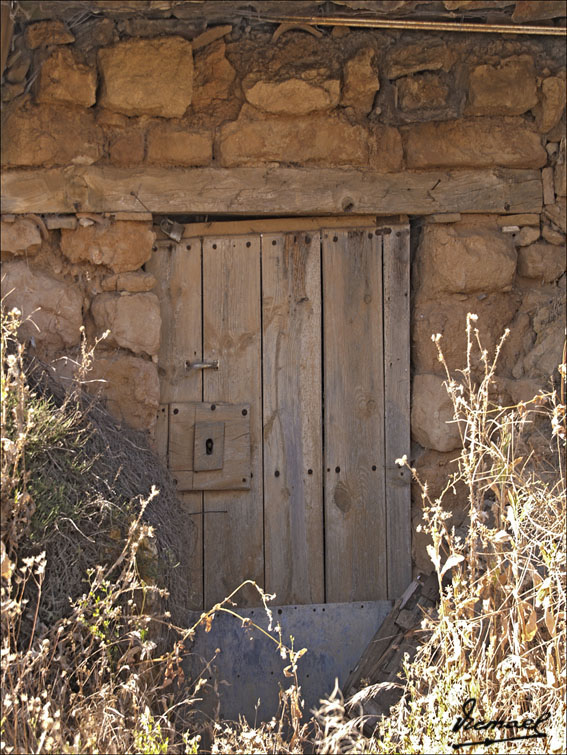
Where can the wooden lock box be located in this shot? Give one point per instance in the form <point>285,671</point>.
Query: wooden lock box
<point>209,446</point>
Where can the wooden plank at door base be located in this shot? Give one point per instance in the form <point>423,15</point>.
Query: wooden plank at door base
<point>355,521</point>
<point>178,275</point>
<point>291,297</point>
<point>233,540</point>
<point>397,406</point>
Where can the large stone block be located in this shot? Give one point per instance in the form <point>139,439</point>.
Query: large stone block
<point>20,237</point>
<point>462,5</point>
<point>432,414</point>
<point>526,236</point>
<point>111,121</point>
<point>552,104</point>
<point>147,76</point>
<point>560,175</point>
<point>17,67</point>
<point>558,131</point>
<point>447,314</point>
<point>462,258</point>
<point>127,148</point>
<point>134,320</point>
<point>473,143</point>
<point>12,91</point>
<point>522,219</point>
<point>323,140</point>
<point>520,340</point>
<point>210,36</point>
<point>130,387</point>
<point>557,213</point>
<point>135,283</point>
<point>214,77</point>
<point>421,92</point>
<point>519,391</point>
<point>552,236</point>
<point>49,135</point>
<point>548,316</point>
<point>51,309</point>
<point>508,88</point>
<point>308,93</point>
<point>537,10</point>
<point>435,469</point>
<point>434,56</point>
<point>170,144</point>
<point>361,81</point>
<point>47,33</point>
<point>122,246</point>
<point>65,80</point>
<point>544,307</point>
<point>545,262</point>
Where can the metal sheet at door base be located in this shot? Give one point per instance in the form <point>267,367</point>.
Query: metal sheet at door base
<point>335,635</point>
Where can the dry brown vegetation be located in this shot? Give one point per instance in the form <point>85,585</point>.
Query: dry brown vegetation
<point>499,634</point>
<point>89,661</point>
<point>101,670</point>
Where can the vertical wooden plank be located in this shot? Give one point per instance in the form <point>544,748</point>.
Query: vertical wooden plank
<point>161,432</point>
<point>355,523</point>
<point>181,440</point>
<point>293,505</point>
<point>397,406</point>
<point>178,274</point>
<point>233,541</point>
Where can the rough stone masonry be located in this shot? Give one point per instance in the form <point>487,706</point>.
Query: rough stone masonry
<point>130,92</point>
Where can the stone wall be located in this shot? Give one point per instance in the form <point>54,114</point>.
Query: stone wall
<point>510,271</point>
<point>137,92</point>
<point>67,272</point>
<point>375,99</point>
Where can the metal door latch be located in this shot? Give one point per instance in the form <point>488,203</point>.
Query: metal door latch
<point>212,365</point>
<point>172,229</point>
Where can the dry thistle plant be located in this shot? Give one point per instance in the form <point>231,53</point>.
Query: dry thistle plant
<point>93,679</point>
<point>499,633</point>
<point>286,732</point>
<point>85,666</point>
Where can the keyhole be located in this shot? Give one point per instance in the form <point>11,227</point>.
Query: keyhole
<point>209,446</point>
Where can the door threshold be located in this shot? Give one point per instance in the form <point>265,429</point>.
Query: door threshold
<point>250,666</point>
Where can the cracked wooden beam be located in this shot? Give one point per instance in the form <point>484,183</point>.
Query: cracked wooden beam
<point>270,191</point>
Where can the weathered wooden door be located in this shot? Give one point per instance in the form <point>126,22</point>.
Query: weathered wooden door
<point>285,401</point>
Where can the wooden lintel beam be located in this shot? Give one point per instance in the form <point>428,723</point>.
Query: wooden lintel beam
<point>269,191</point>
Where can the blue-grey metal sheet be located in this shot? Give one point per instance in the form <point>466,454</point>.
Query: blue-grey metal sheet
<point>335,635</point>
